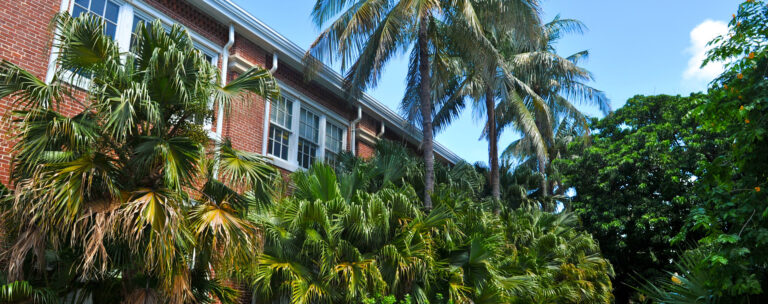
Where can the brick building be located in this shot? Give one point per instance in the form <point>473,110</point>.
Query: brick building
<point>312,120</point>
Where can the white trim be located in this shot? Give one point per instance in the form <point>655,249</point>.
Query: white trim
<point>287,165</point>
<point>265,138</point>
<point>293,141</point>
<point>65,7</point>
<point>320,154</point>
<point>124,28</point>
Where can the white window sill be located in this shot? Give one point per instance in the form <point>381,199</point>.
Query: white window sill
<point>284,164</point>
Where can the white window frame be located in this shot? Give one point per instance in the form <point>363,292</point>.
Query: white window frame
<point>300,101</point>
<point>283,126</point>
<point>318,129</point>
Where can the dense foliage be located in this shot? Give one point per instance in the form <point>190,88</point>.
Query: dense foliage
<point>130,201</point>
<point>679,182</point>
<point>325,244</point>
<point>734,215</point>
<point>641,163</point>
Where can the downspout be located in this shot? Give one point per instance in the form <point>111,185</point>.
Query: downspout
<point>381,131</point>
<point>274,63</point>
<point>353,127</point>
<point>224,67</point>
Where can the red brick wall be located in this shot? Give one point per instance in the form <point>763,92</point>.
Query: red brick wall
<point>25,40</point>
<point>193,19</point>
<point>364,150</point>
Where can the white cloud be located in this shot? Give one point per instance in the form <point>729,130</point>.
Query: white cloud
<point>695,76</point>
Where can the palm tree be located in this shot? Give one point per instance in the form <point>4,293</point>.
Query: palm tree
<point>366,34</point>
<point>468,66</point>
<point>557,80</point>
<point>523,152</point>
<point>563,262</point>
<point>322,247</point>
<point>120,200</point>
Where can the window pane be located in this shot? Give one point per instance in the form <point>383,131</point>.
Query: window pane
<point>111,12</point>
<point>307,151</point>
<point>334,136</point>
<point>309,126</point>
<point>331,158</point>
<point>97,7</point>
<point>111,29</point>
<point>84,3</point>
<point>280,112</point>
<point>77,11</point>
<point>278,142</point>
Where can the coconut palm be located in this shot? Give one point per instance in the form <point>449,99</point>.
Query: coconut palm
<point>523,152</point>
<point>118,198</point>
<point>560,81</point>
<point>467,66</point>
<point>364,35</point>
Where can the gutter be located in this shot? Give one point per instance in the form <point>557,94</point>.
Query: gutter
<point>274,63</point>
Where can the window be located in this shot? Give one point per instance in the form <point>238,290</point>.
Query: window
<point>107,10</point>
<point>300,132</point>
<point>308,138</point>
<point>279,128</point>
<point>334,142</point>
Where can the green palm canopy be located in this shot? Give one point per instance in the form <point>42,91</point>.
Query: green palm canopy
<point>114,180</point>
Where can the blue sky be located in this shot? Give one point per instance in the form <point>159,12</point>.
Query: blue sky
<point>636,47</point>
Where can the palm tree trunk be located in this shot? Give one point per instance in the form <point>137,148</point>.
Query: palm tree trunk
<point>493,145</point>
<point>425,93</point>
<point>543,161</point>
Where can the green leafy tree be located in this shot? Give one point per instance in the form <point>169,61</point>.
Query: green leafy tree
<point>733,185</point>
<point>120,202</point>
<point>635,185</point>
<point>690,283</point>
<point>321,247</point>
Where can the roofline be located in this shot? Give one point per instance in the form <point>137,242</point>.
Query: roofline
<point>330,78</point>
